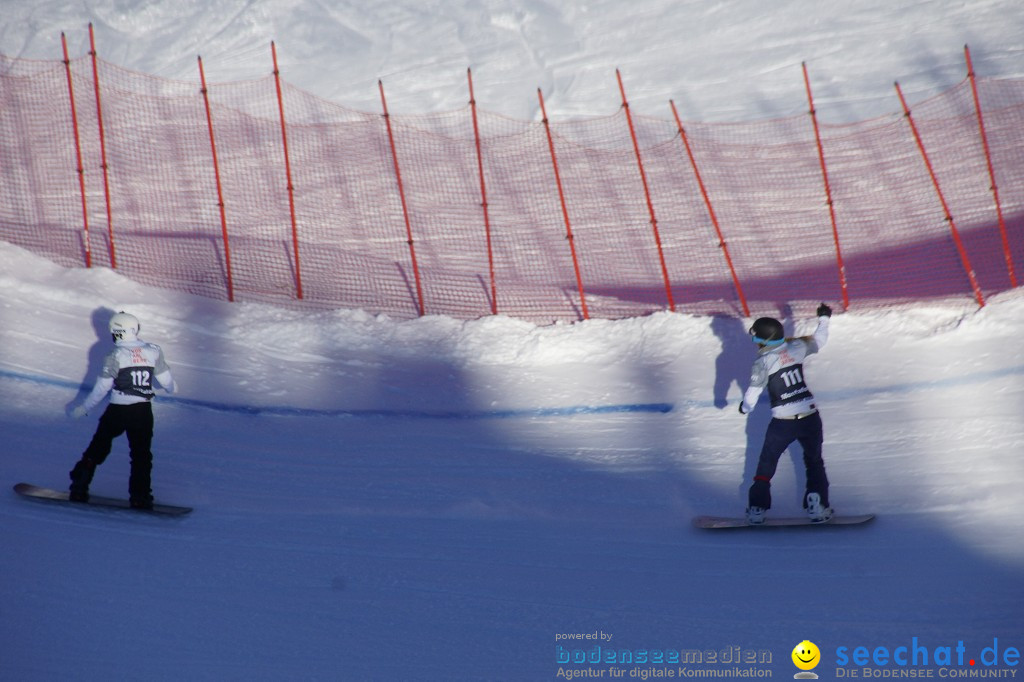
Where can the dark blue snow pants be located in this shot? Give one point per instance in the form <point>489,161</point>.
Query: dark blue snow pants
<point>780,435</point>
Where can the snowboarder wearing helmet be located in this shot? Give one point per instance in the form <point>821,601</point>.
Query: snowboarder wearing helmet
<point>128,373</point>
<point>779,368</point>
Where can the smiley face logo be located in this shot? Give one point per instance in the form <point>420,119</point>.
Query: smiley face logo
<point>806,655</point>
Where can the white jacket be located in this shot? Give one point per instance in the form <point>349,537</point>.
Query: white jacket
<point>128,374</point>
<point>780,369</point>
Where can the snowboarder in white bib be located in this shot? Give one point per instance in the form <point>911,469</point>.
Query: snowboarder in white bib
<point>779,368</point>
<point>128,374</point>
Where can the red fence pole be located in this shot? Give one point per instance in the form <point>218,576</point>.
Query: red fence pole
<point>565,210</point>
<point>991,170</point>
<point>405,207</point>
<point>828,191</point>
<point>78,154</point>
<point>647,195</point>
<point>711,211</point>
<point>942,199</point>
<point>288,174</point>
<point>483,195</point>
<point>220,190</point>
<point>103,148</point>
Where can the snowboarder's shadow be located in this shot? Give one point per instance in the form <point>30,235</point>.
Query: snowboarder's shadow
<point>733,363</point>
<point>97,354</point>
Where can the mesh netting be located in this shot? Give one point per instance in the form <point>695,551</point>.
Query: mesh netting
<point>153,211</point>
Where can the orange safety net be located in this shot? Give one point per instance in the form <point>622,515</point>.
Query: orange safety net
<point>153,211</point>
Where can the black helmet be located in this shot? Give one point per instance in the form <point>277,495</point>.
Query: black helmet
<point>767,331</point>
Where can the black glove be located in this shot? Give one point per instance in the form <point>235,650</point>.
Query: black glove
<point>824,310</point>
<point>741,408</point>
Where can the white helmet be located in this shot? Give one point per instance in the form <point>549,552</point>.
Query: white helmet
<point>124,327</point>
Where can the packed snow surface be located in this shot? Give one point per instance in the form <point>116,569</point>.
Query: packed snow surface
<point>439,499</point>
<point>717,59</point>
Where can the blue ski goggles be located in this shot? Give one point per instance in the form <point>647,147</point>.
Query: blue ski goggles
<point>764,342</point>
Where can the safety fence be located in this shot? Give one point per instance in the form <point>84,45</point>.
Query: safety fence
<point>259,191</point>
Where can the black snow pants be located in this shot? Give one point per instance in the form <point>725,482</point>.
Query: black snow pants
<point>780,435</point>
<point>136,421</point>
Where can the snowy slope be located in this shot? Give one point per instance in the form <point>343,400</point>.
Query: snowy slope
<point>441,500</point>
<point>431,500</point>
<point>718,59</point>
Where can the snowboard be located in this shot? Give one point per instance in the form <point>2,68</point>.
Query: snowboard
<point>61,497</point>
<point>715,522</point>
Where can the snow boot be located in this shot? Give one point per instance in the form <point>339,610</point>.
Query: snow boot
<point>141,502</point>
<point>81,477</point>
<point>816,511</point>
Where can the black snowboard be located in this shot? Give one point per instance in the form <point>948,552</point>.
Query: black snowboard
<point>717,522</point>
<point>61,497</point>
